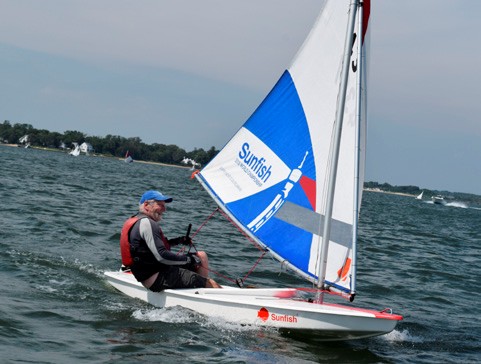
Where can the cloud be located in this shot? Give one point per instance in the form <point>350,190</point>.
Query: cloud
<point>239,42</point>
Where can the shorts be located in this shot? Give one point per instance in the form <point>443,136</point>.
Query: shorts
<point>176,277</point>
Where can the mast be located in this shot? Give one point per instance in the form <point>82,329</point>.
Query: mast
<point>357,164</point>
<point>336,145</point>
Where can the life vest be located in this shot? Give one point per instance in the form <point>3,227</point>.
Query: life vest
<point>124,241</point>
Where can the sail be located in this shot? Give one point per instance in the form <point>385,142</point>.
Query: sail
<point>272,176</point>
<point>76,151</point>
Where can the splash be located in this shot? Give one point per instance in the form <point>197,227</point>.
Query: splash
<point>458,204</point>
<point>180,315</point>
<point>44,288</point>
<point>461,205</point>
<point>401,336</point>
<point>176,315</point>
<point>225,326</point>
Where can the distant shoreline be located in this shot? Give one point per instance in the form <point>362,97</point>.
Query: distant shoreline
<point>472,198</point>
<point>389,192</point>
<point>99,155</point>
<point>158,163</point>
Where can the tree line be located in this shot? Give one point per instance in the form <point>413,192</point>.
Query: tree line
<point>110,145</point>
<point>117,146</point>
<point>411,190</point>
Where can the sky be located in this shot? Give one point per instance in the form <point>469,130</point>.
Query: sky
<point>190,72</point>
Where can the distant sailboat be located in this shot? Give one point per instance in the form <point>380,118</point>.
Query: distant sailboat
<point>190,161</point>
<point>128,157</point>
<point>420,196</point>
<point>76,151</point>
<point>25,141</point>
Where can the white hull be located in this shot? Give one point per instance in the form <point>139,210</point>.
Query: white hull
<point>439,200</point>
<point>265,307</point>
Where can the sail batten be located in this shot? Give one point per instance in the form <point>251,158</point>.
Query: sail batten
<point>271,177</point>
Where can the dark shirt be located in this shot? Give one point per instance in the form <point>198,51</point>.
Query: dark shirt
<point>150,250</point>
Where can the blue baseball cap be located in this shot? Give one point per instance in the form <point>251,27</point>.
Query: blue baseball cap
<point>154,195</point>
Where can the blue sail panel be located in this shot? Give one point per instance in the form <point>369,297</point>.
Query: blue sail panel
<point>278,126</point>
<point>280,122</point>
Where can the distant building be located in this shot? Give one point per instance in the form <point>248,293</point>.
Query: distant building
<point>86,148</point>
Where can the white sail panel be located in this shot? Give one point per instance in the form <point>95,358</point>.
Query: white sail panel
<point>245,166</point>
<point>311,68</point>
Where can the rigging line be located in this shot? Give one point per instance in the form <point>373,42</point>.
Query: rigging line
<point>182,250</point>
<point>283,264</point>
<point>205,222</point>
<point>221,275</point>
<point>241,231</point>
<point>264,251</point>
<point>254,266</point>
<point>242,279</point>
<point>323,199</point>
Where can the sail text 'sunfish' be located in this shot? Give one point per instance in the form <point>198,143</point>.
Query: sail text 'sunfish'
<point>254,163</point>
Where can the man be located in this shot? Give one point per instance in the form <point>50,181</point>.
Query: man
<point>146,251</point>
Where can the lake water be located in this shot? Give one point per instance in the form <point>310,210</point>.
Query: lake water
<point>60,225</point>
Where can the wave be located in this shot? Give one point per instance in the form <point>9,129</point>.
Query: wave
<point>180,315</point>
<point>461,205</point>
<point>458,204</point>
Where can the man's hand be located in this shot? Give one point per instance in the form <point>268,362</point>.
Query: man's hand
<point>193,260</point>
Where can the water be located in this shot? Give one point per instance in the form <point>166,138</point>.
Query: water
<point>60,223</point>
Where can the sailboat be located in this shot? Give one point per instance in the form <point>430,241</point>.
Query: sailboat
<point>420,196</point>
<point>192,162</point>
<point>291,178</point>
<point>76,151</point>
<point>128,157</point>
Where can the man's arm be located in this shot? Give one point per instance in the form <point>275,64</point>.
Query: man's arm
<point>150,232</point>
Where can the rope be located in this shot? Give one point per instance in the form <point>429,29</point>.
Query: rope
<point>236,281</point>
<point>205,222</point>
<point>241,231</point>
<point>240,281</point>
<point>254,266</point>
